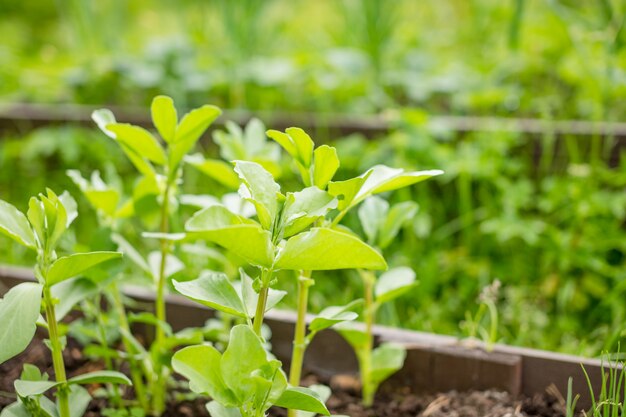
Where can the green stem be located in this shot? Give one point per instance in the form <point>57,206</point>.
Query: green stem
<point>365,357</point>
<point>135,372</point>
<point>299,341</point>
<point>493,318</point>
<point>160,374</point>
<point>57,353</point>
<point>108,363</point>
<point>266,278</point>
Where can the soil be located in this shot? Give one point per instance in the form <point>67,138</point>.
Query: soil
<point>345,399</point>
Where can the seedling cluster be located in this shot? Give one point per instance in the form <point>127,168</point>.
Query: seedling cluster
<point>229,255</point>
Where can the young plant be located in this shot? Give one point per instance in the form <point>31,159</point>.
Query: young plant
<point>285,237</point>
<point>41,230</point>
<point>318,167</point>
<point>381,223</point>
<point>244,381</point>
<point>161,170</point>
<point>473,324</point>
<point>609,402</point>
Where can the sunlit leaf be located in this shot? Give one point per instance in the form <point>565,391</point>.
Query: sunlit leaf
<point>326,249</point>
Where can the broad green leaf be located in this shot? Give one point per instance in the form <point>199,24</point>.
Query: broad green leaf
<point>304,207</point>
<point>231,142</point>
<point>164,117</point>
<point>260,189</point>
<point>50,409</point>
<point>387,359</point>
<point>326,249</point>
<point>17,409</point>
<point>323,392</point>
<point>372,214</point>
<point>250,297</point>
<point>100,196</point>
<point>254,138</point>
<point>100,377</point>
<point>201,366</point>
<point>103,118</point>
<point>189,130</point>
<point>216,409</point>
<point>345,191</point>
<point>29,388</point>
<point>79,399</point>
<point>355,336</point>
<point>394,283</point>
<point>217,169</point>
<point>71,208</point>
<point>270,382</point>
<point>243,237</point>
<point>332,315</point>
<point>37,218</point>
<point>244,355</point>
<point>140,141</point>
<point>398,216</point>
<point>19,311</point>
<point>214,290</point>
<point>32,373</point>
<point>73,265</point>
<point>300,398</point>
<point>70,292</point>
<point>14,224</point>
<point>325,165</point>
<point>383,178</point>
<point>130,252</point>
<point>56,217</point>
<point>141,163</point>
<point>303,143</point>
<point>285,141</point>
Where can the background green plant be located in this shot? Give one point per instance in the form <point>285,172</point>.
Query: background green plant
<point>542,214</point>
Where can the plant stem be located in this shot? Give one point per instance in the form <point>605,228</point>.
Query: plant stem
<point>299,341</point>
<point>260,311</point>
<point>57,353</point>
<point>160,377</point>
<point>266,277</point>
<point>365,357</point>
<point>108,363</point>
<point>135,373</point>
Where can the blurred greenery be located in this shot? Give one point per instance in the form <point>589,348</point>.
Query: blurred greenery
<point>543,215</point>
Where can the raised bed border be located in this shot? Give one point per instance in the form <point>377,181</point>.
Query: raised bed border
<point>435,363</point>
<point>20,115</point>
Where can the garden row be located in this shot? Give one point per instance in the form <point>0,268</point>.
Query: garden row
<point>539,210</point>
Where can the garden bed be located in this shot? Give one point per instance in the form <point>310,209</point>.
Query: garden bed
<point>434,363</point>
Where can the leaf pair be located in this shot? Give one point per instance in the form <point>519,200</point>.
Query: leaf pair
<point>144,149</point>
<point>316,249</point>
<point>381,223</point>
<point>317,167</point>
<point>242,378</point>
<point>216,291</point>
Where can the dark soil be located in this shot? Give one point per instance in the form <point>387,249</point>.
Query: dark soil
<point>345,399</point>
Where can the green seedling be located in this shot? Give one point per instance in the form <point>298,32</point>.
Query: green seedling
<point>285,237</point>
<point>237,144</point>
<point>474,324</point>
<point>317,166</point>
<point>244,381</point>
<point>58,287</point>
<point>609,402</point>
<point>160,164</point>
<point>381,223</point>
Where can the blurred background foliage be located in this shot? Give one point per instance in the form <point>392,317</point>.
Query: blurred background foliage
<point>543,214</point>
